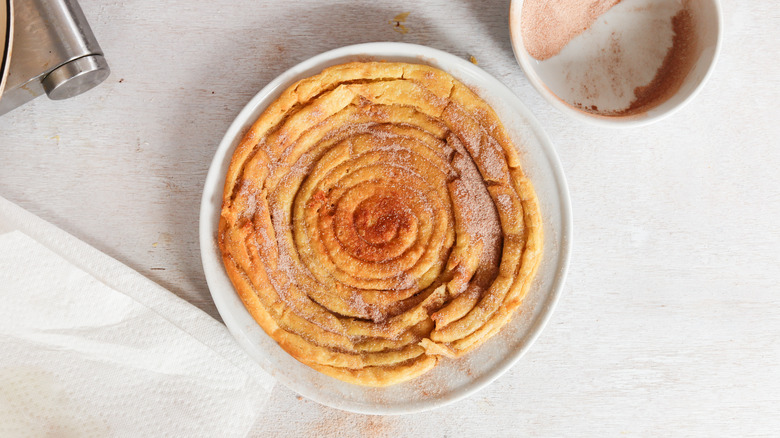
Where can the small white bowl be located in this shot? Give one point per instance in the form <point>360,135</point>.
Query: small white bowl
<point>709,29</point>
<point>451,380</point>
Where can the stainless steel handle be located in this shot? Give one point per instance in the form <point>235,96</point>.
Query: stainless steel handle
<point>75,77</point>
<point>54,52</point>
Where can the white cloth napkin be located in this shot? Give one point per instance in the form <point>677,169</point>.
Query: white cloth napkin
<point>89,347</point>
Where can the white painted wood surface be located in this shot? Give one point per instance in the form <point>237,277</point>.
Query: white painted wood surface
<point>670,320</point>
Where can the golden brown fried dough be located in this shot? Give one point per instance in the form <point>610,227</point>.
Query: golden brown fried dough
<point>375,218</point>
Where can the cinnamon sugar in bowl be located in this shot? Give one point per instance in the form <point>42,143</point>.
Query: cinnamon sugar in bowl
<point>619,63</point>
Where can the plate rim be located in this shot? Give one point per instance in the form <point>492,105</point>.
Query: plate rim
<point>214,184</point>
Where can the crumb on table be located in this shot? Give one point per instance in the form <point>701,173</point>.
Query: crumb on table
<point>397,20</point>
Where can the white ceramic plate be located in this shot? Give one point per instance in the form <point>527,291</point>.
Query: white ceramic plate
<point>451,380</point>
<point>6,32</point>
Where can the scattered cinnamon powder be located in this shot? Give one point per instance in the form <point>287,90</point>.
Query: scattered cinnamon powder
<point>548,25</point>
<point>633,58</point>
<point>675,68</point>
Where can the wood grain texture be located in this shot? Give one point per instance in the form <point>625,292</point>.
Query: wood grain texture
<point>669,323</point>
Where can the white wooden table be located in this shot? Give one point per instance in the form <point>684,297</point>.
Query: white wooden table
<point>670,320</point>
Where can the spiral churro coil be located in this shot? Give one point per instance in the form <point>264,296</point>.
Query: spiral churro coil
<point>376,219</point>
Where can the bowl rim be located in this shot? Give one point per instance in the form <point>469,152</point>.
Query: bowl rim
<point>214,184</point>
<point>522,57</point>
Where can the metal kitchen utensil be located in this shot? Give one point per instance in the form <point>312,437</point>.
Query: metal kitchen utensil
<point>54,52</point>
<point>6,32</point>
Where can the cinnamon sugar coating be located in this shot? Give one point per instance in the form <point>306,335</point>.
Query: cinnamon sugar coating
<point>375,218</point>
